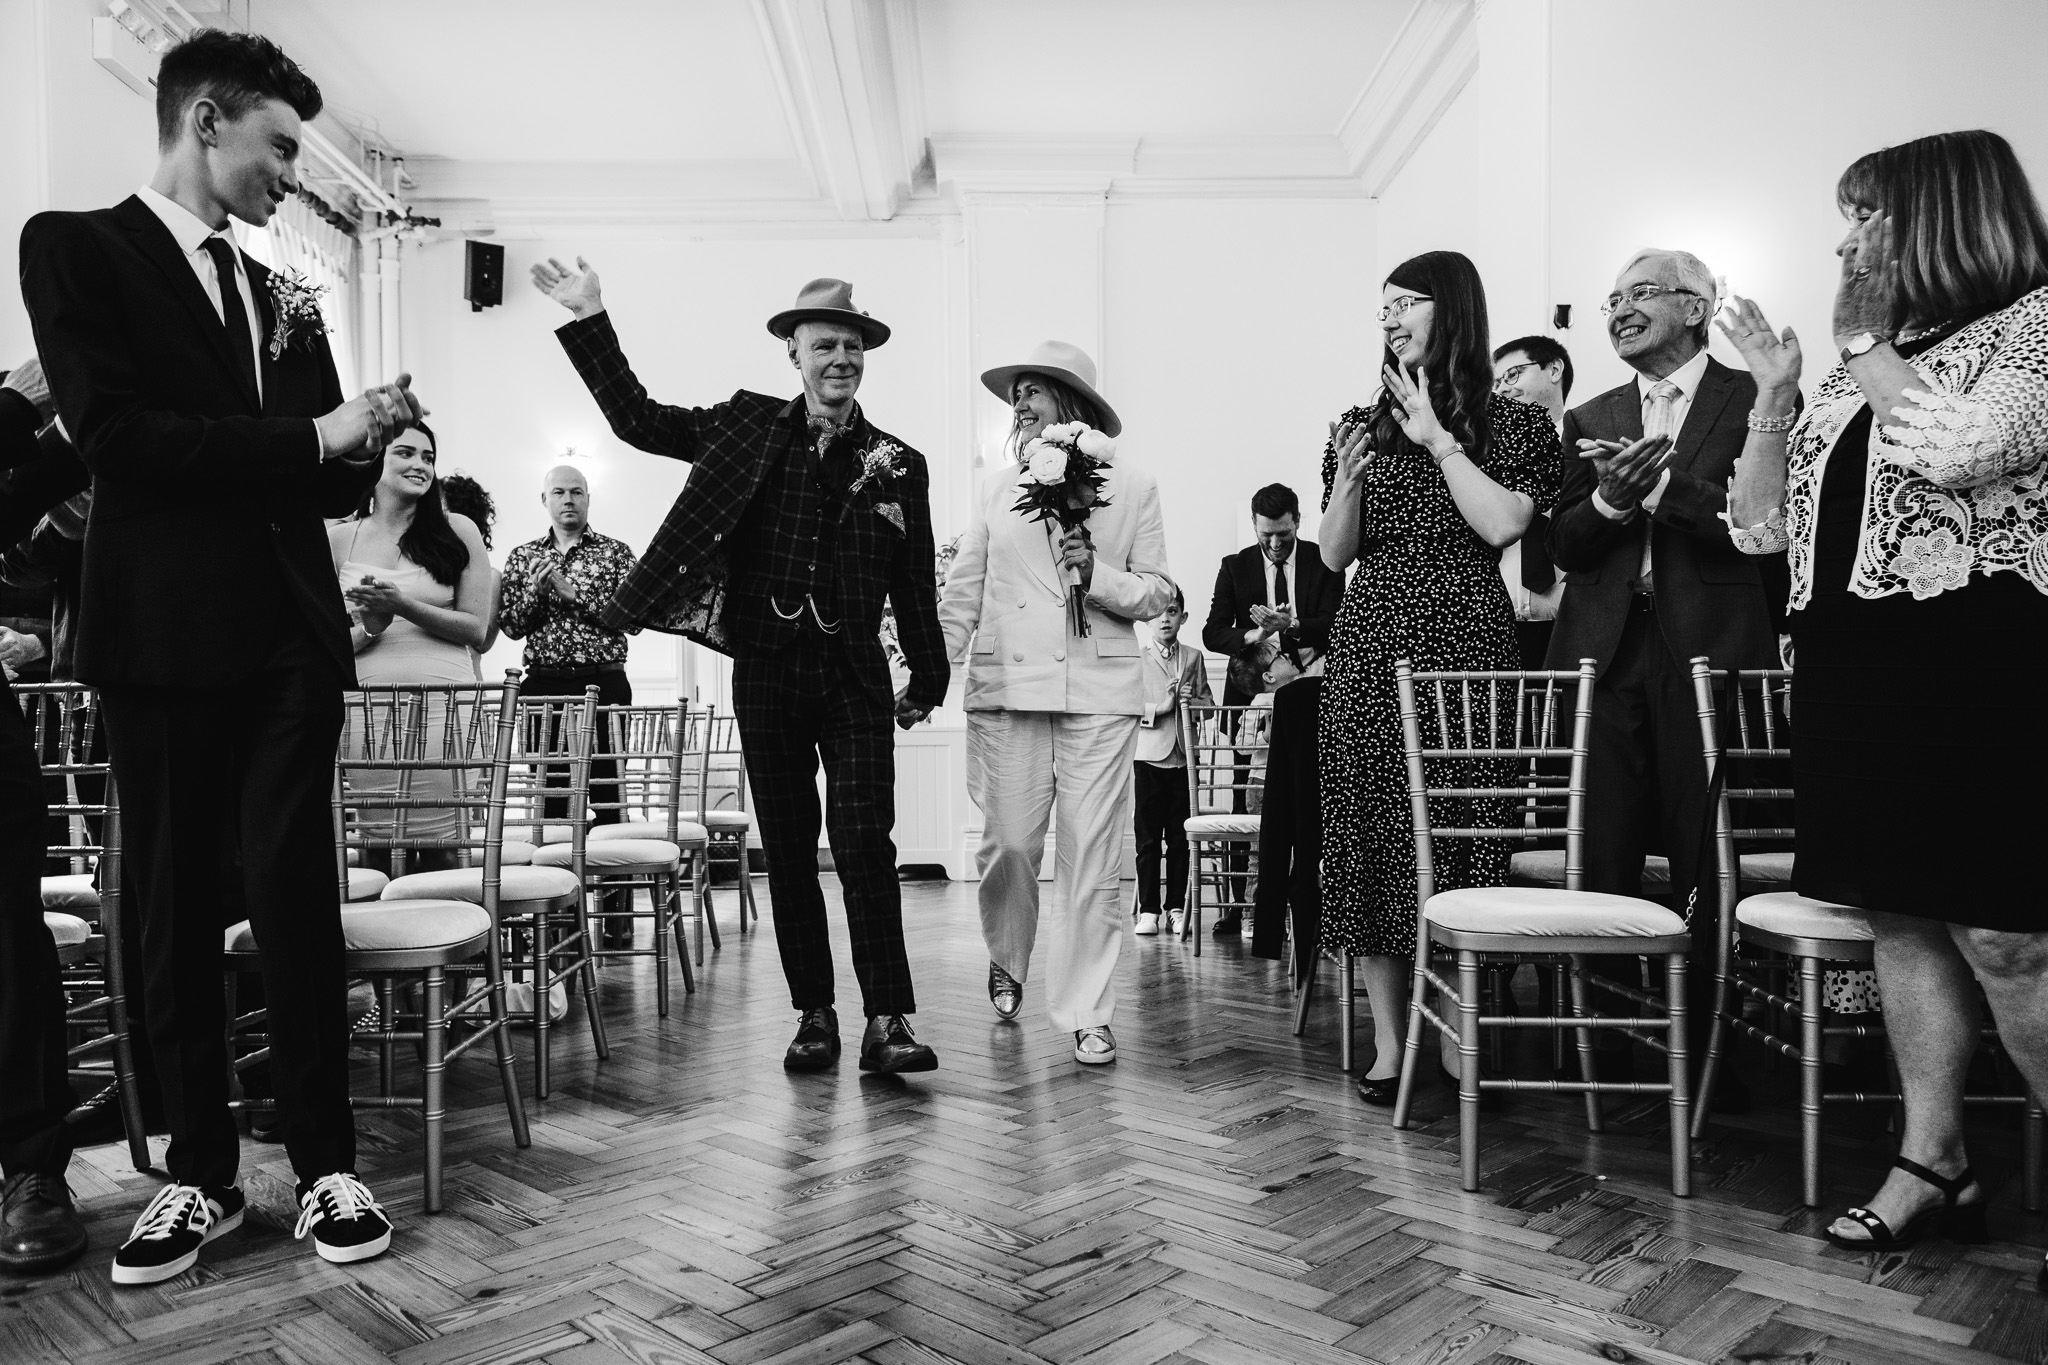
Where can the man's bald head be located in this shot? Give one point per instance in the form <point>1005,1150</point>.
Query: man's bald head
<point>566,495</point>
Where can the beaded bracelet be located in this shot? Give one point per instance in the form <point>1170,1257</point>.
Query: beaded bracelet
<point>1772,424</point>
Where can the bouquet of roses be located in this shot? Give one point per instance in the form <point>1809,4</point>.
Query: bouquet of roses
<point>1061,481</point>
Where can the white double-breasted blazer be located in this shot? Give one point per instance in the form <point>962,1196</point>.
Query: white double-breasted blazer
<point>1006,597</point>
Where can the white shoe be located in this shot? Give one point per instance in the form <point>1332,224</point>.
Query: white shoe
<point>1176,922</point>
<point>1148,925</point>
<point>519,1003</point>
<point>1094,1046</point>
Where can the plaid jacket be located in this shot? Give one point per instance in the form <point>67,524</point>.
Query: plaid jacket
<point>884,541</point>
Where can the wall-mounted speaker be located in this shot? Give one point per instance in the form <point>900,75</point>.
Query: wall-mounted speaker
<point>483,275</point>
<point>1561,317</point>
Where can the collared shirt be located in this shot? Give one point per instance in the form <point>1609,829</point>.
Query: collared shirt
<point>1273,571</point>
<point>191,234</point>
<point>561,634</point>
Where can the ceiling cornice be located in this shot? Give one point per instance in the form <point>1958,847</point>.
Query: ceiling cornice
<point>1432,57</point>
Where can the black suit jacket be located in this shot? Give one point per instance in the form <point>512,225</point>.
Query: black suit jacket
<point>680,583</point>
<point>1711,598</point>
<point>208,506</point>
<point>1241,585</point>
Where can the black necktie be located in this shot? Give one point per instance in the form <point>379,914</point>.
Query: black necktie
<point>1279,585</point>
<point>233,315</point>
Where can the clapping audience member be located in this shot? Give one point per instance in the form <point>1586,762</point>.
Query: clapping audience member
<point>1911,497</point>
<point>1174,674</point>
<point>1538,371</point>
<point>466,497</point>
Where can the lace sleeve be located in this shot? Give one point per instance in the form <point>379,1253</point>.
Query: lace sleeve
<point>1767,537</point>
<point>1996,427</point>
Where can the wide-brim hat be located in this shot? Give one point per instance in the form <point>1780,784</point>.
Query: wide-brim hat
<point>827,300</point>
<point>1064,361</point>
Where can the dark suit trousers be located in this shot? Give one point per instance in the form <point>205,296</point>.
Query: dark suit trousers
<point>1161,812</point>
<point>613,689</point>
<point>35,1084</point>
<point>795,707</point>
<point>252,766</point>
<point>1646,785</point>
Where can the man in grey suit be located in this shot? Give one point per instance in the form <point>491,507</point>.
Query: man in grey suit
<point>1651,579</point>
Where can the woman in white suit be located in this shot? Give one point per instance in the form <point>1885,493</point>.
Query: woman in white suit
<point>1052,718</point>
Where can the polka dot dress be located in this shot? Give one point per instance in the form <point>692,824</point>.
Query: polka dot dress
<point>1428,589</point>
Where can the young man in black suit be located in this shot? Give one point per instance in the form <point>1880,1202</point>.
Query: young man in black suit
<point>798,520</point>
<point>1276,586</point>
<point>1652,580</point>
<point>201,393</point>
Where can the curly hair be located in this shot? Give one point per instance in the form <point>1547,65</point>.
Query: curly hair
<point>237,71</point>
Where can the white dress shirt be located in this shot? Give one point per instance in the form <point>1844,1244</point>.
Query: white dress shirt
<point>191,235</point>
<point>1285,566</point>
<point>1686,379</point>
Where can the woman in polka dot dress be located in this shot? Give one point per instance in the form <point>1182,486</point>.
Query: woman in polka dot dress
<point>1422,490</point>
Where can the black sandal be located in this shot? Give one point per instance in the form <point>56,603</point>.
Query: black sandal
<point>1962,1222</point>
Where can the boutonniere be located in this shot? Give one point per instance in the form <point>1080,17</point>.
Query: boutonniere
<point>295,304</point>
<point>880,462</point>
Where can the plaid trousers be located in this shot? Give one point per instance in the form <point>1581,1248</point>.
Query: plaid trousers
<point>796,706</point>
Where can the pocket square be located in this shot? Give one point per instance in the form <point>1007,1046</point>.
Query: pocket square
<point>891,512</point>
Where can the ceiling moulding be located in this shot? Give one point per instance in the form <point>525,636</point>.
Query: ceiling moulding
<point>997,163</point>
<point>851,89</point>
<point>1432,57</point>
<point>709,184</point>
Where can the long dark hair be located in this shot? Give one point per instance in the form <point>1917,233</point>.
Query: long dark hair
<point>1968,231</point>
<point>1457,358</point>
<point>430,541</point>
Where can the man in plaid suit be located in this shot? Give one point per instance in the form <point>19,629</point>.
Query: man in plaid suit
<point>798,520</point>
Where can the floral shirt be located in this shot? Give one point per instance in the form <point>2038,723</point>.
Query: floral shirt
<point>561,634</point>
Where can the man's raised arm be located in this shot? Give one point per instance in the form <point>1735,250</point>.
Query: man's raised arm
<point>593,347</point>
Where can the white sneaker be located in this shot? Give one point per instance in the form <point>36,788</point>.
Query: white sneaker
<point>1094,1046</point>
<point>1176,922</point>
<point>1148,925</point>
<point>519,1003</point>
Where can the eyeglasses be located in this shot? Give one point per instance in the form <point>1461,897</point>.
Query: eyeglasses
<point>1642,293</point>
<point>1511,374</point>
<point>1398,309</point>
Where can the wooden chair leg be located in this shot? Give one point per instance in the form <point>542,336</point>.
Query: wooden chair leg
<point>1812,1017</point>
<point>1717,1040</point>
<point>1411,1045</point>
<point>1468,1068</point>
<point>1679,1075</point>
<point>1302,996</point>
<point>1347,1014</point>
<point>1588,1069</point>
<point>433,1078</point>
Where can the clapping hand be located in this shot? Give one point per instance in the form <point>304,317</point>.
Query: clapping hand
<point>1413,408</point>
<point>576,290</point>
<point>366,424</point>
<point>376,598</point>
<point>18,651</point>
<point>1353,443</point>
<point>1627,470</point>
<point>1272,620</point>
<point>28,380</point>
<point>1868,289</point>
<point>1773,358</point>
<point>563,586</point>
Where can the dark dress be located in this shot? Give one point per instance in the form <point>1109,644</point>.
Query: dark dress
<point>1919,753</point>
<point>1429,590</point>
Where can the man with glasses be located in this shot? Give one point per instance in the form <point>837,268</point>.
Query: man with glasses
<point>1652,581</point>
<point>1538,371</point>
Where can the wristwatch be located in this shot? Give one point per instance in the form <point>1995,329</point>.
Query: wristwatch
<point>1862,344</point>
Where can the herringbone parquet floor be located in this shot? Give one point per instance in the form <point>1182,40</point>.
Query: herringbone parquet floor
<point>1219,1196</point>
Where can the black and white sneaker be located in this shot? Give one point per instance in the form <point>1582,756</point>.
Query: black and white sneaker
<point>345,1219</point>
<point>167,1237</point>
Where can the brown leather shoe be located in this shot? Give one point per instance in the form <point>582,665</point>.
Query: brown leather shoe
<point>39,1227</point>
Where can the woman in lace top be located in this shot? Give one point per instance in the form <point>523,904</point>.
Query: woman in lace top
<point>1911,495</point>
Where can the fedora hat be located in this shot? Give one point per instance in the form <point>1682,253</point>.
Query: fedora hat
<point>828,301</point>
<point>1061,360</point>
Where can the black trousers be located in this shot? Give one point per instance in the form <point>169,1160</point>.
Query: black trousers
<point>35,1082</point>
<point>613,689</point>
<point>1161,814</point>
<point>250,768</point>
<point>1646,789</point>
<point>796,707</point>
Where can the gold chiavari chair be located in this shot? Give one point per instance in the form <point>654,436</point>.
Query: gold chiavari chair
<point>1226,749</point>
<point>1771,938</point>
<point>418,768</point>
<point>722,810</point>
<point>660,756</point>
<point>1487,772</point>
<point>84,920</point>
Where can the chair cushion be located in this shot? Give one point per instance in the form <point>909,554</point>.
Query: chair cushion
<point>513,853</point>
<point>612,853</point>
<point>68,930</point>
<point>1782,912</point>
<point>1223,826</point>
<point>1550,912</point>
<point>364,883</point>
<point>393,926</point>
<point>1545,867</point>
<point>467,884</point>
<point>1766,871</point>
<point>74,891</point>
<point>554,834</point>
<point>688,832</point>
<point>724,821</point>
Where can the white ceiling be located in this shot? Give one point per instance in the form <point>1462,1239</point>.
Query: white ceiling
<point>649,111</point>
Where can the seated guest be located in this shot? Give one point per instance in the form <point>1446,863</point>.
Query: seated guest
<point>1538,371</point>
<point>1651,582</point>
<point>1277,587</point>
<point>1911,497</point>
<point>1173,673</point>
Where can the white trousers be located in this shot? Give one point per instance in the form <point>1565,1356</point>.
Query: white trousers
<point>1021,766</point>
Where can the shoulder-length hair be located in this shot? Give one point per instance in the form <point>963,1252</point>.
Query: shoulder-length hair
<point>1457,359</point>
<point>1968,231</point>
<point>1068,405</point>
<point>430,541</point>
